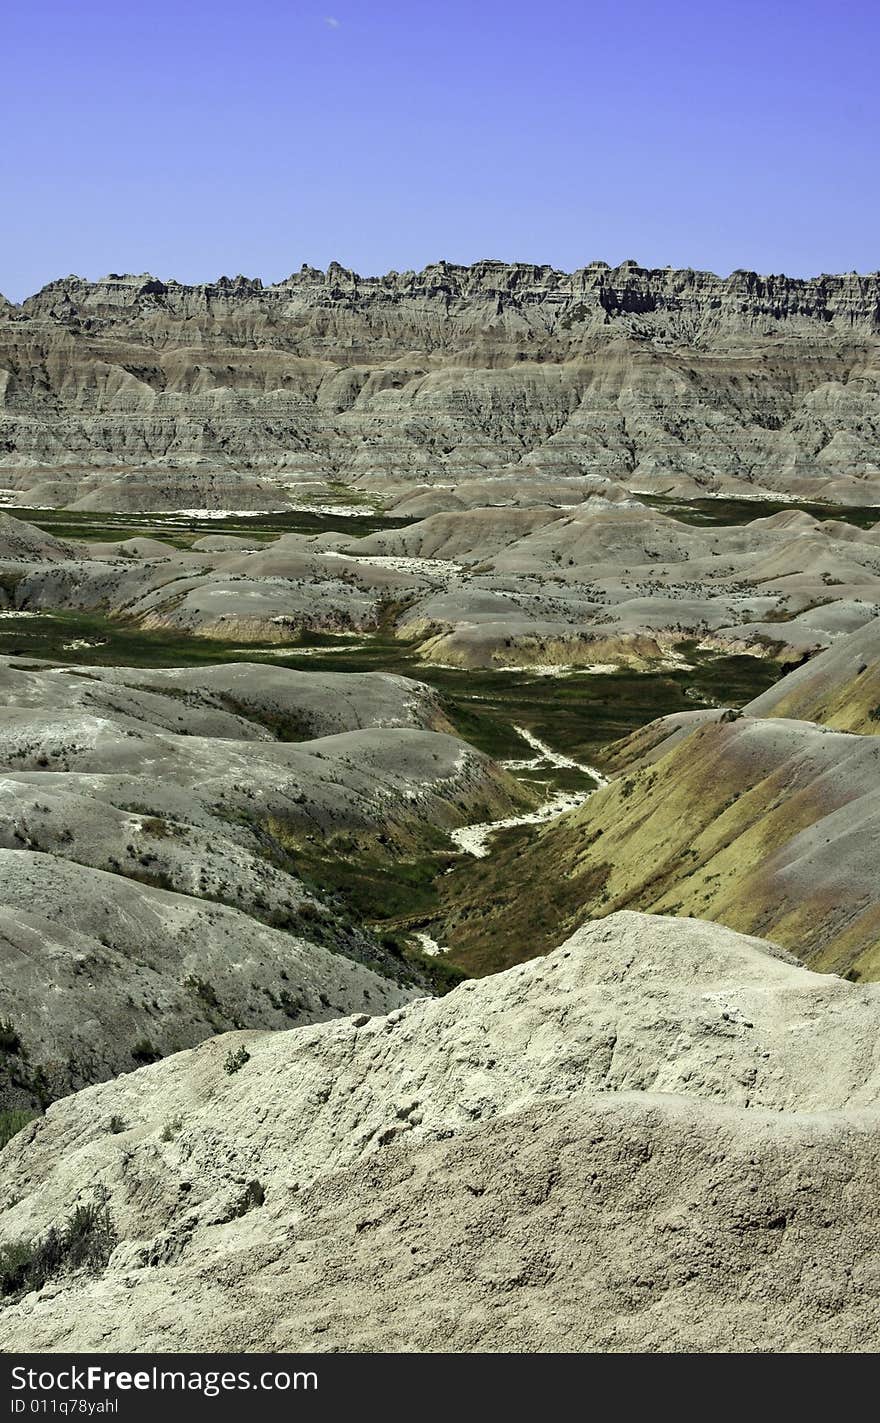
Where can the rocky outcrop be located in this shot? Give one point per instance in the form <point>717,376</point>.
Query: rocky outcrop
<point>660,379</point>
<point>456,300</point>
<point>661,1137</point>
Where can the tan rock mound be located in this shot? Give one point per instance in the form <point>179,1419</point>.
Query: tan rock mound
<point>662,1136</point>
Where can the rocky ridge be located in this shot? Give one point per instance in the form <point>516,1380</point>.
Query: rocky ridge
<point>246,395</point>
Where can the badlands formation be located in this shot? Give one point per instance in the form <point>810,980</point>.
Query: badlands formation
<point>136,393</point>
<point>438,829</point>
<point>493,589</point>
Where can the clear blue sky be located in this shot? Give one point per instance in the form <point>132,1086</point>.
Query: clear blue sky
<point>193,139</point>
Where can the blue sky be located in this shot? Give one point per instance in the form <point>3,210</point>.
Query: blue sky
<point>195,139</point>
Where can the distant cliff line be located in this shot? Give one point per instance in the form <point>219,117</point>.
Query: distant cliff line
<point>677,382</point>
<point>595,294</point>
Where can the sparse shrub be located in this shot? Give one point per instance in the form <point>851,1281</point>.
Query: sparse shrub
<point>144,1051</point>
<point>10,1042</point>
<point>206,991</point>
<point>171,1128</point>
<point>89,1235</point>
<point>11,1124</point>
<point>235,1061</point>
<point>116,1124</point>
<point>15,1262</point>
<point>730,714</point>
<point>874,713</point>
<point>84,1241</point>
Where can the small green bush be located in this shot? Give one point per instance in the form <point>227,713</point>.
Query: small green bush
<point>235,1061</point>
<point>11,1124</point>
<point>15,1264</point>
<point>171,1128</point>
<point>144,1051</point>
<point>206,991</point>
<point>84,1241</point>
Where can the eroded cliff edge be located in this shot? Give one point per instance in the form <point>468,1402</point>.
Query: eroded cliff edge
<point>659,380</point>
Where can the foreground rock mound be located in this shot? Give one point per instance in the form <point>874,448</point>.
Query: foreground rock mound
<point>662,1136</point>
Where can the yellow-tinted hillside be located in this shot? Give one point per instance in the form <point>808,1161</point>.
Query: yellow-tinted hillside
<point>769,826</point>
<point>840,687</point>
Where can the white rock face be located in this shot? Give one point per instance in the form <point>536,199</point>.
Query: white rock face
<point>662,1136</point>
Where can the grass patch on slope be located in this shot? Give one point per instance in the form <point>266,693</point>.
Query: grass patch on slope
<point>389,888</point>
<point>182,530</point>
<point>84,1242</point>
<point>735,512</point>
<point>11,1123</point>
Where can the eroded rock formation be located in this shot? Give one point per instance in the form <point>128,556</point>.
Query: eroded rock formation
<point>240,393</point>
